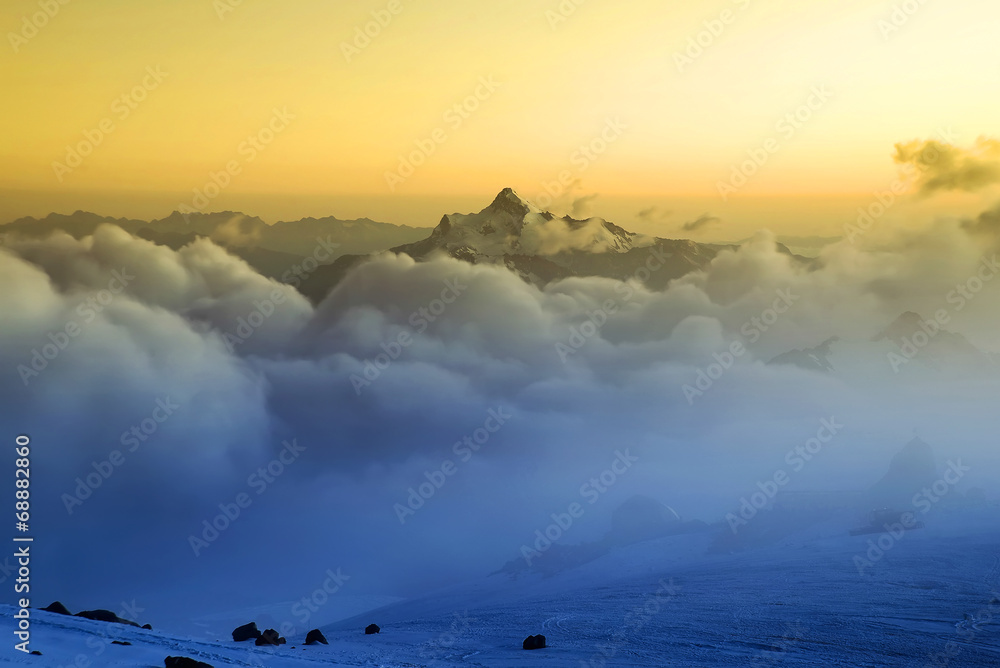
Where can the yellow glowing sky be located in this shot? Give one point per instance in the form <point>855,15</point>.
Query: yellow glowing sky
<point>559,87</point>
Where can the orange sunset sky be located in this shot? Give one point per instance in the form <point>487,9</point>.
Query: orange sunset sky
<point>174,90</point>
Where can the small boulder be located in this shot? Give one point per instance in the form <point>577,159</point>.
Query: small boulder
<point>148,627</point>
<point>184,662</point>
<point>534,642</point>
<point>269,637</point>
<point>57,608</point>
<point>372,628</point>
<point>316,636</point>
<point>120,642</point>
<point>246,632</point>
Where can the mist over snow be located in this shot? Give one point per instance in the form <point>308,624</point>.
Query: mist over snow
<point>201,373</point>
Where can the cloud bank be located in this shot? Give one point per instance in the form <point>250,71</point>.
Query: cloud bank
<point>406,366</point>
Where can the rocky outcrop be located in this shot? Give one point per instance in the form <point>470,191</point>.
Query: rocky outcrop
<point>105,616</point>
<point>184,662</point>
<point>246,632</point>
<point>57,608</point>
<point>269,637</point>
<point>316,636</point>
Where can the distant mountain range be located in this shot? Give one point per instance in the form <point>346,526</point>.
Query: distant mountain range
<point>537,245</point>
<point>908,339</point>
<point>541,247</point>
<point>271,249</point>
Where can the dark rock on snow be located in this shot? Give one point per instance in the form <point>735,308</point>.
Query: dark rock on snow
<point>246,632</point>
<point>105,616</point>
<point>184,662</point>
<point>57,608</point>
<point>269,637</point>
<point>534,642</point>
<point>372,628</point>
<point>316,636</point>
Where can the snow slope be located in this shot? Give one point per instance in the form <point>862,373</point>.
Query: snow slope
<point>802,602</point>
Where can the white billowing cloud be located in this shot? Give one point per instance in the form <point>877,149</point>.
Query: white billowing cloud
<point>239,230</point>
<point>200,282</point>
<point>97,331</point>
<point>550,236</point>
<point>585,366</point>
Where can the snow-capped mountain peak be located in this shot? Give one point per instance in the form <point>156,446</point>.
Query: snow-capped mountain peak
<point>508,201</point>
<point>513,225</point>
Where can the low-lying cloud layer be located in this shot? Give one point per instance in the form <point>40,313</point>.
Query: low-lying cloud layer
<point>201,374</point>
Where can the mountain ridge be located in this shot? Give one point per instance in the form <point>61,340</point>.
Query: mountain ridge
<point>539,246</point>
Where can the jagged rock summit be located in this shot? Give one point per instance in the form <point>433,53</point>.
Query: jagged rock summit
<point>542,247</point>
<point>511,225</point>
